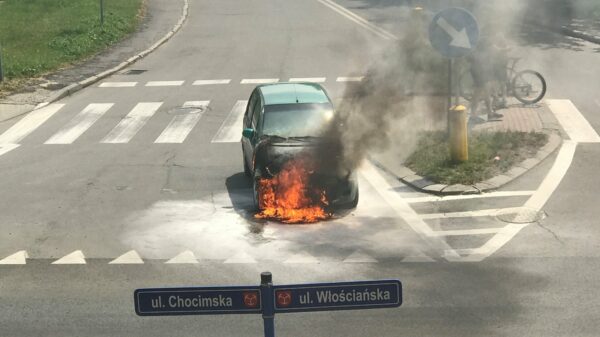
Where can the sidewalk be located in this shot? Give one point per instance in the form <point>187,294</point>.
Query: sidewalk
<point>517,117</point>
<point>160,19</point>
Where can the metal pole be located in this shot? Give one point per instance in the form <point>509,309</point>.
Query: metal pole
<point>102,12</point>
<point>449,94</point>
<point>266,298</point>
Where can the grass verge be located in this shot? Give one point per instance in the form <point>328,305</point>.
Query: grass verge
<point>489,154</point>
<point>38,36</point>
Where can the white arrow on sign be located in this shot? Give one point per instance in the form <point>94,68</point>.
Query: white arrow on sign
<point>459,39</point>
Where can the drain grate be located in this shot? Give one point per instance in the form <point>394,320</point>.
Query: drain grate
<point>521,215</point>
<point>133,72</point>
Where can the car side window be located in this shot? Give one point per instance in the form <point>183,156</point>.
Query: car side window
<point>249,109</point>
<point>256,109</point>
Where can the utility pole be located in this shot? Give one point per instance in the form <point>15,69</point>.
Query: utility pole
<point>1,66</point>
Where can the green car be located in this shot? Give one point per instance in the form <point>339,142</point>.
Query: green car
<point>284,119</point>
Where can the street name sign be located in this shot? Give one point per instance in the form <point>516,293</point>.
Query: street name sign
<point>197,301</point>
<point>268,299</point>
<point>338,296</point>
<point>453,32</point>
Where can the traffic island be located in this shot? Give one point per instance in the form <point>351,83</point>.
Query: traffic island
<point>499,152</point>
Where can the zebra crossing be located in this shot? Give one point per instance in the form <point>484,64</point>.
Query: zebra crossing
<point>78,257</point>
<point>178,83</point>
<point>176,131</point>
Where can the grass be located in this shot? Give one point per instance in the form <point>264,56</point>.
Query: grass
<point>489,154</point>
<point>38,36</point>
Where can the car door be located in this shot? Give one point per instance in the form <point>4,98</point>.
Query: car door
<point>247,143</point>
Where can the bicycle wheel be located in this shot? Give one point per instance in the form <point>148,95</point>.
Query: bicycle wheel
<point>529,86</point>
<point>466,85</point>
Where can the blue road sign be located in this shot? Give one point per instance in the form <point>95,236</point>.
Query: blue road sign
<point>197,301</point>
<point>338,296</point>
<point>453,32</point>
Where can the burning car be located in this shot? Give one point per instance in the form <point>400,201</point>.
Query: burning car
<point>287,155</point>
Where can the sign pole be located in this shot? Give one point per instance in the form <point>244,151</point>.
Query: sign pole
<point>102,13</point>
<point>266,292</point>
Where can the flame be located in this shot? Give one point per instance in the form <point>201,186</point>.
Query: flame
<point>289,197</point>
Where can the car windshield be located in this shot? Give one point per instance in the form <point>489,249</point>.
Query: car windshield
<point>296,120</point>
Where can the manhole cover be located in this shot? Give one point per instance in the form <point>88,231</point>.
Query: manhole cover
<point>133,72</point>
<point>520,215</point>
<point>187,110</point>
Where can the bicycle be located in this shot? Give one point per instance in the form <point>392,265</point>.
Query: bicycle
<point>527,86</point>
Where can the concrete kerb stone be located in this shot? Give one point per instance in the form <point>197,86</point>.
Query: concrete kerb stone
<point>74,87</point>
<point>549,127</point>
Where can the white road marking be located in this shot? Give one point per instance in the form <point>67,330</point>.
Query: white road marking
<point>181,125</point>
<point>572,121</point>
<point>132,123</point>
<point>469,196</point>
<point>208,82</point>
<point>301,258</point>
<point>231,129</point>
<point>28,124</point>
<point>75,257</point>
<point>164,83</point>
<point>5,148</point>
<point>490,247</point>
<point>184,257</point>
<point>117,84</point>
<point>308,79</point>
<point>19,257</point>
<point>79,124</point>
<point>401,207</point>
<point>359,257</point>
<point>359,20</point>
<point>468,214</point>
<point>131,257</point>
<point>241,257</point>
<point>417,258</point>
<point>475,231</point>
<point>554,176</point>
<point>350,79</point>
<point>259,80</point>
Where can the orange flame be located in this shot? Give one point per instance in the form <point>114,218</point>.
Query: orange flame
<point>289,197</point>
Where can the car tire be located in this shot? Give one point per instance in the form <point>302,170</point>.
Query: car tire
<point>354,202</point>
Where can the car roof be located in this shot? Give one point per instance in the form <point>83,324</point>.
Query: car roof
<point>292,93</point>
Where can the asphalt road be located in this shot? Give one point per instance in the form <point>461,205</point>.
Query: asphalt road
<point>112,187</point>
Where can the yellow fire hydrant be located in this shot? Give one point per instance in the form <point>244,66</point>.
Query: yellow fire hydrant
<point>457,133</point>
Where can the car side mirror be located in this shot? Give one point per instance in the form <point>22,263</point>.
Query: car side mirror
<point>248,133</point>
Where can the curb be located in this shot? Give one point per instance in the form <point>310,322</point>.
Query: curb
<point>568,32</point>
<point>75,87</point>
<point>422,184</point>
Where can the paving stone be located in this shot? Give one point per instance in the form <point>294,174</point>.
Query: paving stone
<point>485,186</point>
<point>515,171</point>
<point>435,188</point>
<point>460,189</point>
<point>499,180</point>
<point>528,163</point>
<point>417,181</point>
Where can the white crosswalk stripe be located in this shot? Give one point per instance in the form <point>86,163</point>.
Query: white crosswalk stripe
<point>132,123</point>
<point>181,125</point>
<point>208,82</point>
<point>308,79</point>
<point>259,80</point>
<point>231,129</point>
<point>6,148</point>
<point>164,83</point>
<point>79,124</point>
<point>28,124</point>
<point>117,84</point>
